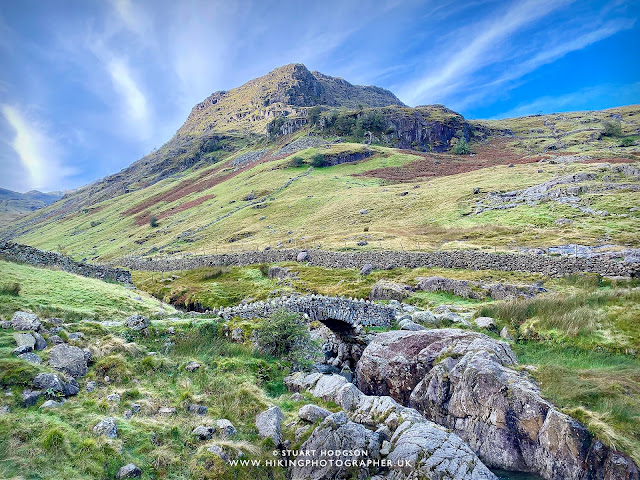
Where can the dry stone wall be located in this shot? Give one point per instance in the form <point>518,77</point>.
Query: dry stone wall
<point>39,258</point>
<point>466,259</point>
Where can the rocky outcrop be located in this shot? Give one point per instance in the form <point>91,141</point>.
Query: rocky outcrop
<point>39,258</point>
<point>395,442</point>
<point>25,321</point>
<point>137,322</point>
<point>269,424</point>
<point>463,380</point>
<point>464,259</point>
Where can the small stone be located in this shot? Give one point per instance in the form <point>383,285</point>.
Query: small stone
<point>114,397</point>
<point>167,411</point>
<point>225,428</point>
<point>51,404</point>
<point>130,470</point>
<point>386,448</point>
<point>41,343</point>
<point>128,414</point>
<point>4,409</point>
<point>197,409</point>
<point>366,269</point>
<point>192,366</point>
<point>504,333</point>
<point>297,397</point>
<point>203,432</point>
<point>107,427</point>
<point>135,407</point>
<point>216,450</point>
<point>90,386</point>
<point>364,211</point>
<point>137,322</point>
<point>76,336</point>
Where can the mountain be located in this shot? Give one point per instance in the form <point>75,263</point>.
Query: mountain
<point>235,176</point>
<point>14,204</point>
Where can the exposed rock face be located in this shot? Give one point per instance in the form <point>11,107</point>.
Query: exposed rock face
<point>70,360</point>
<point>311,413</point>
<point>25,321</point>
<point>411,446</point>
<point>269,424</point>
<point>386,290</point>
<point>462,380</point>
<point>278,272</point>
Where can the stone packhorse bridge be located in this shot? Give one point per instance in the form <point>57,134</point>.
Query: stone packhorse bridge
<point>336,312</point>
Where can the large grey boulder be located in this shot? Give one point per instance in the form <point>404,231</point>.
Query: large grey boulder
<point>302,257</point>
<point>41,343</point>
<point>107,427</point>
<point>68,359</point>
<point>130,470</point>
<point>25,321</point>
<point>31,358</point>
<point>464,381</point>
<point>366,269</point>
<point>25,340</point>
<point>387,290</point>
<point>136,322</point>
<point>269,424</point>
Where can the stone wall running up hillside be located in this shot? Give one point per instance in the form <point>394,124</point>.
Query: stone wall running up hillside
<point>468,259</point>
<point>39,258</point>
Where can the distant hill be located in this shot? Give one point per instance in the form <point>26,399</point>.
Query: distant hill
<point>14,204</point>
<point>249,148</point>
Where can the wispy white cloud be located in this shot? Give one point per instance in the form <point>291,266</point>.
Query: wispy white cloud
<point>480,48</point>
<point>39,155</point>
<point>135,102</point>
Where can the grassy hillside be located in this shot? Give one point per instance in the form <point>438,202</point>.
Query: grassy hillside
<point>407,200</point>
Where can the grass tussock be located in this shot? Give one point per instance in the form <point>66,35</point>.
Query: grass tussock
<point>12,289</point>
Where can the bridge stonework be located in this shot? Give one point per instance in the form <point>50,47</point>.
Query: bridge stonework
<point>317,307</point>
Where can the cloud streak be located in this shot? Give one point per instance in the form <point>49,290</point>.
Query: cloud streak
<point>39,155</point>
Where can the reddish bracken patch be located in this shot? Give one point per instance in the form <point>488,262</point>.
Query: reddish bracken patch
<point>144,217</point>
<point>442,164</point>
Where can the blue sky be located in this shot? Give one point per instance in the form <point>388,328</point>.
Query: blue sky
<point>88,87</point>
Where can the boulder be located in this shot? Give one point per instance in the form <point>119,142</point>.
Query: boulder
<point>30,397</point>
<point>386,290</point>
<point>203,432</point>
<point>219,452</point>
<point>55,340</point>
<point>407,324</point>
<point>51,404</point>
<point>225,428</point>
<point>366,269</point>
<point>24,349</point>
<point>131,470</point>
<point>25,340</point>
<point>113,397</point>
<point>68,359</point>
<point>197,409</point>
<point>106,427</point>
<point>25,321</point>
<point>311,413</point>
<point>302,257</point>
<point>31,358</point>
<point>192,366</point>
<point>41,343</point>
<point>136,322</point>
<point>56,383</point>
<point>424,318</point>
<point>485,322</point>
<point>269,424</point>
<point>76,336</point>
<point>276,272</point>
